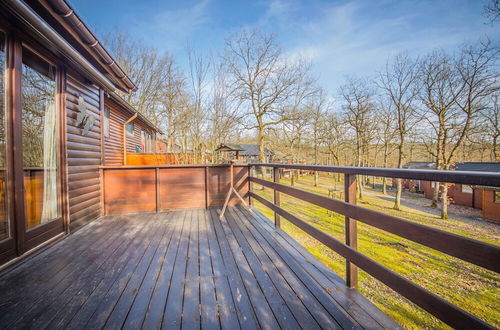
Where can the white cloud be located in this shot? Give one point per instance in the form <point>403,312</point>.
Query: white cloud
<point>176,26</point>
<point>357,37</point>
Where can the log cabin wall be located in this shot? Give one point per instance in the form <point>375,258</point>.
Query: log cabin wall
<point>83,154</point>
<point>113,145</point>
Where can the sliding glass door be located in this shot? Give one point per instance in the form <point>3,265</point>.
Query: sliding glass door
<point>30,148</point>
<point>4,216</point>
<point>40,149</point>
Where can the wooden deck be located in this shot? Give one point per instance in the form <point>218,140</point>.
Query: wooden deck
<point>184,268</point>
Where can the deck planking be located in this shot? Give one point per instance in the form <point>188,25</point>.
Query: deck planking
<point>180,269</point>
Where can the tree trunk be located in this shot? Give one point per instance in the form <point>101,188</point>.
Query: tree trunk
<point>384,179</point>
<point>262,156</point>
<point>399,186</point>
<point>397,201</point>
<point>435,194</point>
<point>444,202</point>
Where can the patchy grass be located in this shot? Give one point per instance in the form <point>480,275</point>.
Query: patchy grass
<point>470,287</point>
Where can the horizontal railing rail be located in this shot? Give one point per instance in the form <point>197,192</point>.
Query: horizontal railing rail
<point>465,177</point>
<point>470,250</point>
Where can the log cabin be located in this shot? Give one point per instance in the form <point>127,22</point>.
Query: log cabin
<point>483,197</point>
<point>55,78</point>
<point>89,241</point>
<point>126,132</point>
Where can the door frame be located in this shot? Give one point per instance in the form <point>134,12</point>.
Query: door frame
<point>21,239</point>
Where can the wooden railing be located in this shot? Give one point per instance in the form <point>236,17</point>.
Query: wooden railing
<point>470,250</point>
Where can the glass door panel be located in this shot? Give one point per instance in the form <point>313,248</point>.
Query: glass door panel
<point>4,219</point>
<point>40,138</point>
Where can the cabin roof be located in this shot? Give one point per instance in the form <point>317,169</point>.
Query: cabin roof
<point>244,149</point>
<point>420,165</point>
<point>62,17</point>
<point>229,147</point>
<point>478,166</point>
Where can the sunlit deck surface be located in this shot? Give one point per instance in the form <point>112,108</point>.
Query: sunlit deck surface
<point>184,268</point>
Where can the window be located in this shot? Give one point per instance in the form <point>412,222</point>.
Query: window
<point>4,219</point>
<point>40,136</point>
<point>497,197</point>
<point>105,122</point>
<point>466,189</point>
<point>130,129</point>
<point>146,141</point>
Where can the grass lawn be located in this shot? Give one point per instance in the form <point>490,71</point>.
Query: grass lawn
<point>470,287</point>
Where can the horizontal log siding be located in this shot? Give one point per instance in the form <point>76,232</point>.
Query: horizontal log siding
<point>113,148</point>
<point>83,155</point>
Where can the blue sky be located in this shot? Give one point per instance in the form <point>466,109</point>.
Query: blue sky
<point>339,37</point>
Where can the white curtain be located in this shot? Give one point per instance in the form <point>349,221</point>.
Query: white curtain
<point>50,133</point>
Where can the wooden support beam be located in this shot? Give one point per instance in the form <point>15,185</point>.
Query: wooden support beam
<point>276,177</point>
<point>351,230</point>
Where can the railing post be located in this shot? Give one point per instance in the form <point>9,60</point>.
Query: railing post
<point>157,186</point>
<point>351,230</point>
<point>206,186</point>
<point>250,185</point>
<point>276,178</point>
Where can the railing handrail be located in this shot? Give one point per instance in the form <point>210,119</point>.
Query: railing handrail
<point>465,177</point>
<point>131,167</point>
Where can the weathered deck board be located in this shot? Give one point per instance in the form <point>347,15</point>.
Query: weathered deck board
<point>182,269</point>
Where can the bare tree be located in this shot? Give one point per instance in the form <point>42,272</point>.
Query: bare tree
<point>294,129</point>
<point>399,82</point>
<point>318,109</point>
<point>265,82</point>
<point>199,68</point>
<point>224,114</point>
<point>491,120</point>
<point>439,82</point>
<point>386,119</point>
<point>477,80</point>
<point>145,65</point>
<point>492,10</point>
<point>173,100</point>
<point>358,109</point>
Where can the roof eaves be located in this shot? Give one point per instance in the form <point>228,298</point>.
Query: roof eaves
<point>128,107</point>
<point>69,16</point>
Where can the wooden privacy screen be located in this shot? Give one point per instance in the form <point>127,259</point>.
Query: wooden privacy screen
<point>155,189</point>
<point>135,159</point>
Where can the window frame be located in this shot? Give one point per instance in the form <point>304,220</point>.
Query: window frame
<point>6,85</point>
<point>147,139</point>
<point>106,122</point>
<point>464,191</point>
<point>127,130</point>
